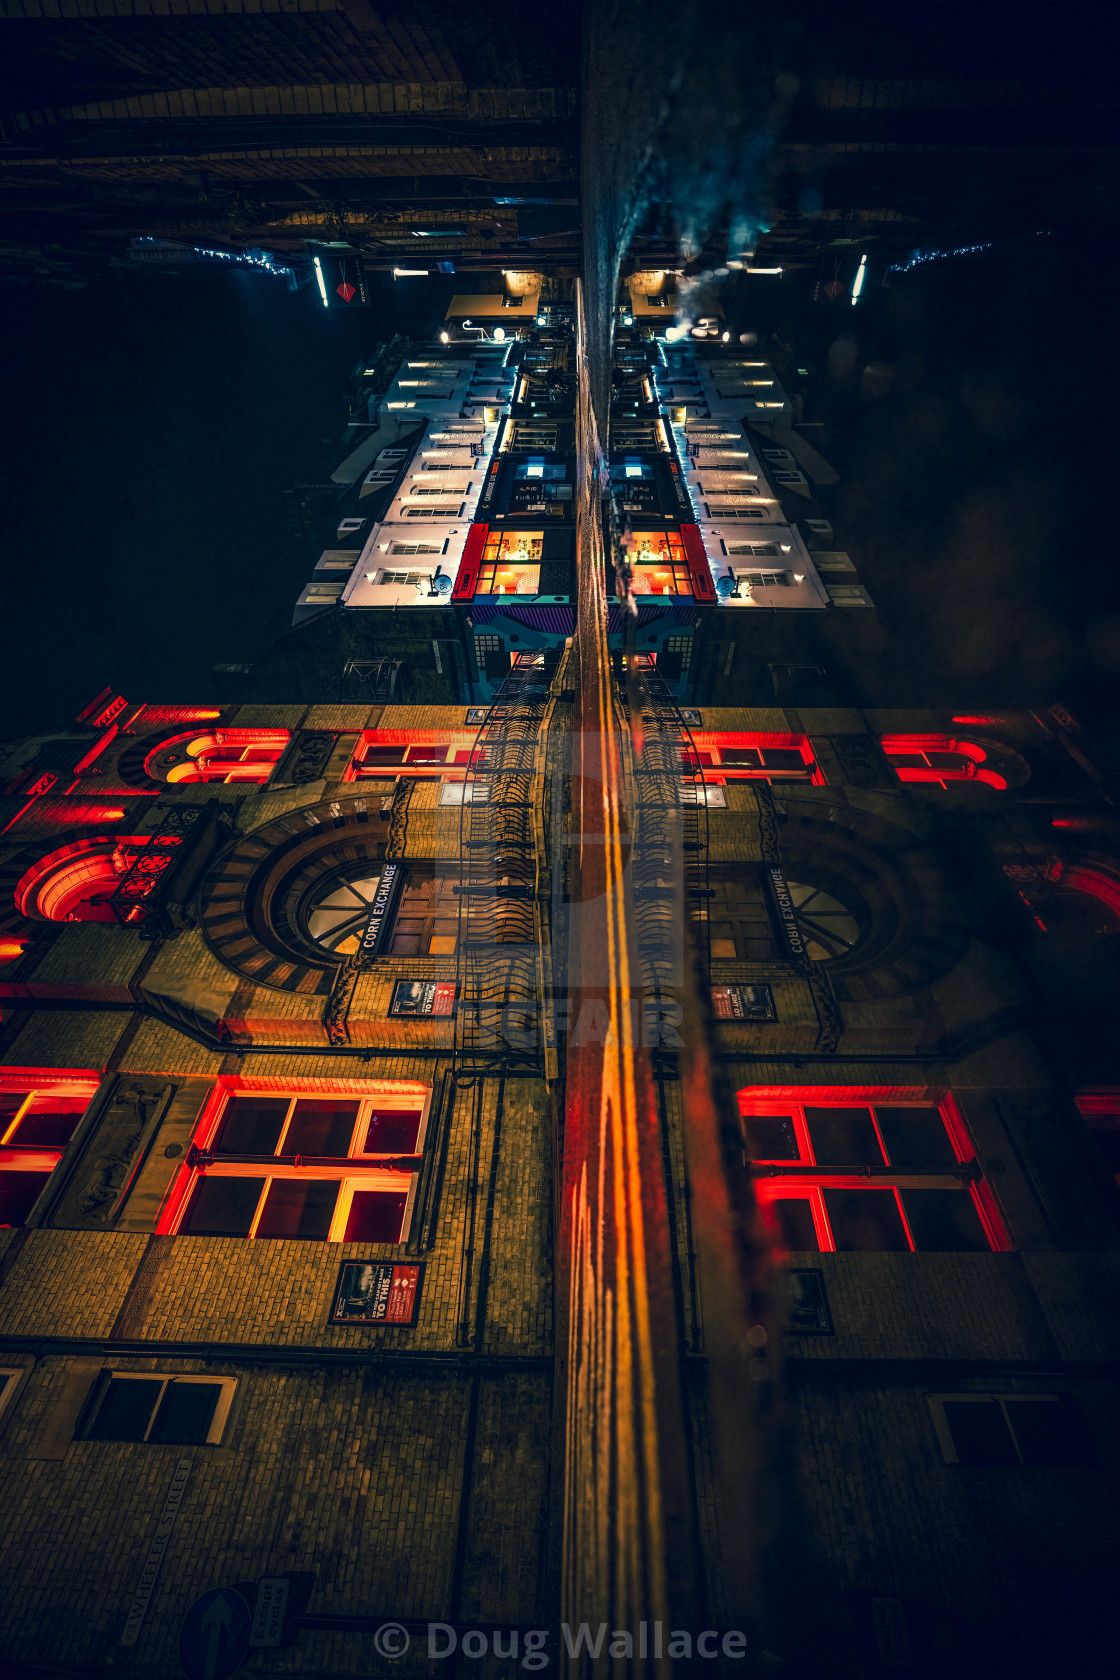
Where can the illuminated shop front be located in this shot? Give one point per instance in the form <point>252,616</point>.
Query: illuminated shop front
<point>511,563</point>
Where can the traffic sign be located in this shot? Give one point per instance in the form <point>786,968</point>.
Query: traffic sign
<point>214,1638</point>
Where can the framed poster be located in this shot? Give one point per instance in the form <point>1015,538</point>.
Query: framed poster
<point>423,998</point>
<point>370,1292</point>
<point>743,1003</point>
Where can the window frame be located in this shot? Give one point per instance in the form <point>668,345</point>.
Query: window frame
<point>73,1083</point>
<point>944,1432</point>
<point>394,1094</point>
<point>99,1393</point>
<point>19,1375</point>
<point>972,756</point>
<point>804,1179</point>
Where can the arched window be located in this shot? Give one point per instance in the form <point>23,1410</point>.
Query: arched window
<point>217,755</point>
<point>940,759</point>
<point>76,883</point>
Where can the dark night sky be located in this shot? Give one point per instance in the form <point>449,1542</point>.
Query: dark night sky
<point>154,424</point>
<point>971,410</point>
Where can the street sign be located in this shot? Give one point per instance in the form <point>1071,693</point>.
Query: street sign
<point>161,1539</point>
<point>269,1610</point>
<point>214,1638</point>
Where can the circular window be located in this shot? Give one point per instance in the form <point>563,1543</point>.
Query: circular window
<point>829,927</point>
<point>338,913</point>
<point>288,902</point>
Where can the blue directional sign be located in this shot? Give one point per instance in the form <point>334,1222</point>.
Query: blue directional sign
<point>214,1638</point>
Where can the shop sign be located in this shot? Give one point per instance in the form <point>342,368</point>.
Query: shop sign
<point>787,915</point>
<point>384,902</point>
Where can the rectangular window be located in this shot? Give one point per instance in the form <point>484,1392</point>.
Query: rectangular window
<point>858,1176</point>
<point>434,512</point>
<point>39,1113</point>
<point>1101,1112</point>
<point>427,921</point>
<point>163,1410</point>
<point>418,548</point>
<point>10,1378</point>
<point>464,793</point>
<point>1003,1431</point>
<point>765,580</point>
<point>336,1168</point>
<point>696,793</point>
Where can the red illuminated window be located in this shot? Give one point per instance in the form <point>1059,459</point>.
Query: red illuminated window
<point>313,1165</point>
<point>1100,1111</point>
<point>754,756</point>
<point>39,1113</point>
<point>219,755</point>
<point>939,759</point>
<point>853,1172</point>
<point>394,753</point>
<point>76,883</point>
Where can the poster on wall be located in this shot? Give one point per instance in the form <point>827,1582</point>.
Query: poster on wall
<point>423,998</point>
<point>371,1293</point>
<point>743,1003</point>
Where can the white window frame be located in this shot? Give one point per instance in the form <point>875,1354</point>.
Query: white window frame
<point>218,1422</point>
<point>18,1375</point>
<point>464,793</point>
<point>696,793</point>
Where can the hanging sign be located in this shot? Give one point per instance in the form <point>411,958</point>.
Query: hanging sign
<point>384,902</point>
<point>787,915</point>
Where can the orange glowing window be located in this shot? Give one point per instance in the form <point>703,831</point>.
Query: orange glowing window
<point>725,755</point>
<point>939,760</point>
<point>508,580</point>
<point>390,753</point>
<point>39,1112</point>
<point>852,1170</point>
<point>76,883</point>
<point>324,1161</point>
<point>220,755</point>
